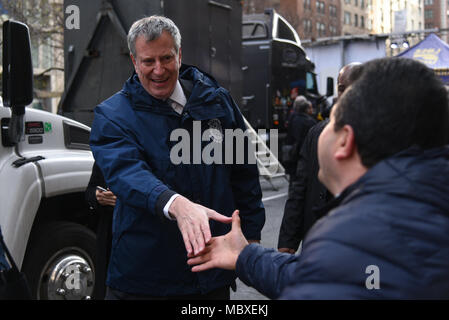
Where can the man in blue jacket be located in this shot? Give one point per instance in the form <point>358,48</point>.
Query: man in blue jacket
<point>167,210</point>
<point>384,156</point>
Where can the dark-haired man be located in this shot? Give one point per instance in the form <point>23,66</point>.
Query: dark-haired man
<point>384,157</point>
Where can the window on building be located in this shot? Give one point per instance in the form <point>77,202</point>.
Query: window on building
<point>428,2</point>
<point>362,4</point>
<point>307,4</point>
<point>356,3</point>
<point>362,22</point>
<point>321,29</point>
<point>356,20</point>
<point>332,10</point>
<point>320,7</point>
<point>347,18</point>
<point>307,26</point>
<point>428,14</point>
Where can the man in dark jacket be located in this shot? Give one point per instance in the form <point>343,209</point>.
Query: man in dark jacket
<point>164,199</point>
<point>384,156</point>
<point>306,194</point>
<point>299,123</point>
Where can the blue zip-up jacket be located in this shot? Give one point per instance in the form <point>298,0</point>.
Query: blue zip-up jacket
<point>130,140</point>
<point>387,239</point>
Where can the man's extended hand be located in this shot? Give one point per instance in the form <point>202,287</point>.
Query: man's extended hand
<point>193,222</point>
<point>222,252</point>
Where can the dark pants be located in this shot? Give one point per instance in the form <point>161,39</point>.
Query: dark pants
<point>104,243</point>
<point>217,294</point>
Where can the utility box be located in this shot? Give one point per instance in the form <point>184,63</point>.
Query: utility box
<point>96,55</point>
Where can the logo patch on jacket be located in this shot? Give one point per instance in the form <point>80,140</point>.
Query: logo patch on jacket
<point>215,130</point>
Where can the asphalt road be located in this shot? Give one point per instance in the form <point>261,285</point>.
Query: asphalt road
<point>274,202</point>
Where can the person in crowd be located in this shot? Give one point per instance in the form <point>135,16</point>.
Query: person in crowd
<point>306,193</point>
<point>165,210</point>
<point>102,201</point>
<point>384,156</point>
<point>299,123</point>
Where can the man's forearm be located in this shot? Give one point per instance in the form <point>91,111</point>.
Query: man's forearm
<point>267,270</point>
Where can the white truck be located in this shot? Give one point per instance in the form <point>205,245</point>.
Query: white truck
<point>45,165</point>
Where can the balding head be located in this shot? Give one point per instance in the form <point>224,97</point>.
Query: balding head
<point>347,75</point>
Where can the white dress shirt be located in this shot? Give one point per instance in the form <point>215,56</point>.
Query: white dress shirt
<point>177,101</point>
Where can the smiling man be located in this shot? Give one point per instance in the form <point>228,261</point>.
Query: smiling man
<point>385,158</point>
<point>163,210</point>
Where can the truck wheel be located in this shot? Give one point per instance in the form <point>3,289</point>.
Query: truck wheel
<point>60,263</point>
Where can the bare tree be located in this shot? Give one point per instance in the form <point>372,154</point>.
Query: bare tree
<point>44,18</point>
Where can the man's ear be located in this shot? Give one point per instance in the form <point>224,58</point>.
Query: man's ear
<point>180,57</point>
<point>346,143</point>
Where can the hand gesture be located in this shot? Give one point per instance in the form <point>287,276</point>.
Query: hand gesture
<point>222,252</point>
<point>193,222</point>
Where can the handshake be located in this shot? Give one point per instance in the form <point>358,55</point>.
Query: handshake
<point>205,252</point>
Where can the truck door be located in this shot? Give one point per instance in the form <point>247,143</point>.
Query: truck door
<point>20,194</point>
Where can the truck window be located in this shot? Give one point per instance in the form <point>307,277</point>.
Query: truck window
<point>311,82</point>
<point>254,30</point>
<point>76,137</point>
<point>284,32</point>
<point>247,30</point>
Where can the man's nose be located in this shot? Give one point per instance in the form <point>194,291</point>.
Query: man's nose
<point>158,68</point>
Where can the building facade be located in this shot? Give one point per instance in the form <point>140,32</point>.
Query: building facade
<point>354,17</point>
<point>436,16</point>
<point>313,19</point>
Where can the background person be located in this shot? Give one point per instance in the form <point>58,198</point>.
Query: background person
<point>306,194</point>
<point>299,123</point>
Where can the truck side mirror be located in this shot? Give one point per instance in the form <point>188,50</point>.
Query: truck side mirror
<point>17,75</point>
<point>330,87</point>
<point>17,65</point>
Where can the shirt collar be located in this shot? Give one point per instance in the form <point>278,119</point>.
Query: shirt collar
<point>178,95</point>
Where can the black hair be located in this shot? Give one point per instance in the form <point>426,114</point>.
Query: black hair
<point>396,103</point>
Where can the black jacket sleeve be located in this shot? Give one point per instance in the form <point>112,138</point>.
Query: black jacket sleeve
<point>96,179</point>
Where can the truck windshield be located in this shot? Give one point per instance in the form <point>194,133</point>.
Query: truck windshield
<point>311,82</point>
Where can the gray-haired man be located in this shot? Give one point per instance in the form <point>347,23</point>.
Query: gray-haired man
<point>163,210</point>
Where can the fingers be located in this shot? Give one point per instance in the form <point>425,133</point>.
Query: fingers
<point>203,267</point>
<point>205,229</point>
<point>236,220</point>
<point>106,198</point>
<point>203,261</point>
<point>193,238</point>
<point>195,232</point>
<point>214,215</point>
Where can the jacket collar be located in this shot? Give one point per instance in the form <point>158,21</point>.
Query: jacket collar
<point>407,173</point>
<point>201,90</point>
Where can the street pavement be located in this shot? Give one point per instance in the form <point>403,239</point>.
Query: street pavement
<point>274,202</point>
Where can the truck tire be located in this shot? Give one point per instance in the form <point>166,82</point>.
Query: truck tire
<point>59,264</point>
